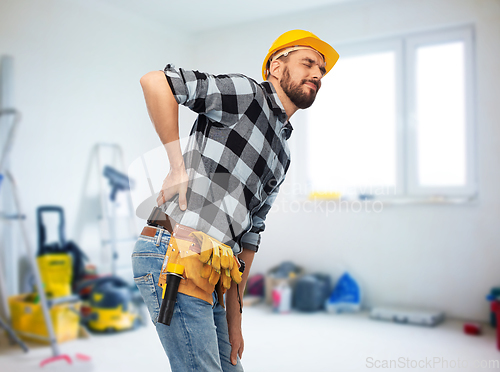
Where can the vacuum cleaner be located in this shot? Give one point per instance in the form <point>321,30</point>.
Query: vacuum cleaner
<point>110,306</point>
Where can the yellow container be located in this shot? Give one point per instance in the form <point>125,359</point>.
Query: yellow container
<point>56,270</point>
<point>29,323</point>
<point>111,320</point>
<point>324,195</point>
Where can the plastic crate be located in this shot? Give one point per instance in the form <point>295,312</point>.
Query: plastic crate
<point>29,323</point>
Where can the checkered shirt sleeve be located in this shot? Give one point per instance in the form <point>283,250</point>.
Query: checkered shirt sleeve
<point>251,239</point>
<point>222,98</point>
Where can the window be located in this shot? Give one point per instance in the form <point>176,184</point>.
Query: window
<point>395,119</point>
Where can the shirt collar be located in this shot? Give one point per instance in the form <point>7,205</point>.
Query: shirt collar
<point>277,107</point>
<point>274,101</point>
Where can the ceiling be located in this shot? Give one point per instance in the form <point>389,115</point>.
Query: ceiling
<point>197,15</point>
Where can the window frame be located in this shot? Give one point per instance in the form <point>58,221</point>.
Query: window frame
<point>465,35</point>
<point>405,47</point>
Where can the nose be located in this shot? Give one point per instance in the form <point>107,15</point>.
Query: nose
<point>317,75</point>
<point>317,72</point>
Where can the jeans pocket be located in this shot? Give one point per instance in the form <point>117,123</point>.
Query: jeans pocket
<point>148,292</point>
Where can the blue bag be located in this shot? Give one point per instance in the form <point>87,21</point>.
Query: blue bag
<point>346,296</point>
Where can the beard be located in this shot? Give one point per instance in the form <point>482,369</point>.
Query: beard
<point>296,93</point>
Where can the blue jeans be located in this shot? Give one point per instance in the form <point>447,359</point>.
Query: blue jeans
<point>197,338</point>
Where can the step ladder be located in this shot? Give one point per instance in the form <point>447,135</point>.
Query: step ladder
<point>19,216</point>
<point>12,212</point>
<point>117,218</point>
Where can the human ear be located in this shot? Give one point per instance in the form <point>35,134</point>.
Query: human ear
<point>275,69</point>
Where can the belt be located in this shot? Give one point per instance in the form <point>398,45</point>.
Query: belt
<point>149,231</point>
<point>159,219</point>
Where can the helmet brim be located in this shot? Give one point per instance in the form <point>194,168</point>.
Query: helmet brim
<point>330,54</point>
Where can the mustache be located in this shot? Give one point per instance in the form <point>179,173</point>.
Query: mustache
<point>315,82</point>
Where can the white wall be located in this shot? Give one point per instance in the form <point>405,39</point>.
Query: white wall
<point>77,67</point>
<point>76,83</point>
<point>437,256</point>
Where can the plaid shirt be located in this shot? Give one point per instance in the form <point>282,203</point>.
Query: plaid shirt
<point>236,157</point>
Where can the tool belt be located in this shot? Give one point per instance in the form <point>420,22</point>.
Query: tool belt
<point>209,265</point>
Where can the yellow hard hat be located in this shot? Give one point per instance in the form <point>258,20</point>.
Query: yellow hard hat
<point>302,38</point>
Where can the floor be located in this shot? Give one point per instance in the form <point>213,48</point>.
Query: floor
<point>287,342</point>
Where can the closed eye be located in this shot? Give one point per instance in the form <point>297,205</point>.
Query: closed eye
<point>310,63</point>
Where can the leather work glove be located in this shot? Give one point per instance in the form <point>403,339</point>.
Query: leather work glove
<point>218,260</point>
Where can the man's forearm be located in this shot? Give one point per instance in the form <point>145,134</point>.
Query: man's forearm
<point>232,303</point>
<point>233,314</point>
<point>163,111</point>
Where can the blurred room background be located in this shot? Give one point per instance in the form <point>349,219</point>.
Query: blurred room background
<point>401,148</point>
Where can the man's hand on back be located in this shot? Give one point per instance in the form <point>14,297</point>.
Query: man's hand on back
<point>175,183</point>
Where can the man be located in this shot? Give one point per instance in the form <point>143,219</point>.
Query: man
<point>222,186</point>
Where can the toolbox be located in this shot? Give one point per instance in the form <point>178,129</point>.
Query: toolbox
<point>407,316</point>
